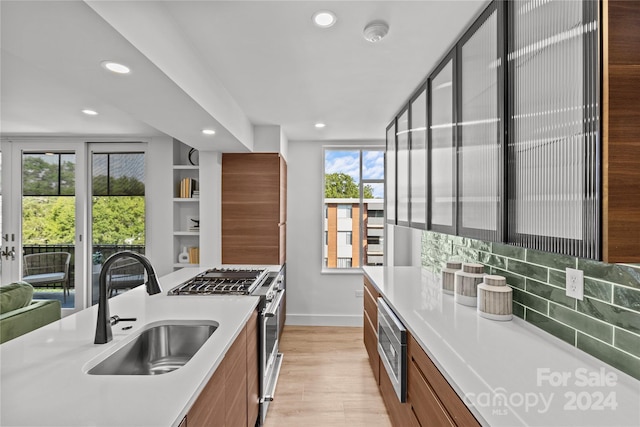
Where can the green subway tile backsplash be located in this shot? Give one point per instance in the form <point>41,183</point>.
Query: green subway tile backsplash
<point>621,360</point>
<point>606,324</point>
<point>582,322</point>
<point>627,297</point>
<point>557,278</point>
<point>533,271</point>
<point>597,289</point>
<point>531,301</point>
<point>612,314</point>
<point>515,280</point>
<point>508,251</point>
<point>493,260</point>
<point>518,310</point>
<point>615,273</point>
<point>556,261</point>
<point>627,341</point>
<point>556,329</point>
<point>550,293</point>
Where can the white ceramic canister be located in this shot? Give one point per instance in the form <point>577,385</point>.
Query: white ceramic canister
<point>467,281</point>
<point>495,298</point>
<point>449,276</point>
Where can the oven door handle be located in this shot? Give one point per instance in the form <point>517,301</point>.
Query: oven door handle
<point>273,306</point>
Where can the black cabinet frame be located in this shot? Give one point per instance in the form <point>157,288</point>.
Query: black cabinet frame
<point>500,226</point>
<point>442,228</point>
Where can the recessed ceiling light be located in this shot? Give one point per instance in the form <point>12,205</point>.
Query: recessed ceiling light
<point>115,67</point>
<point>324,18</point>
<point>320,125</point>
<point>208,131</point>
<point>90,112</point>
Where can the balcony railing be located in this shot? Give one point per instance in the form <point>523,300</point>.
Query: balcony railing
<point>105,250</point>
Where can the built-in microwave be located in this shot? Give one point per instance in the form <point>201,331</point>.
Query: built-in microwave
<point>392,347</point>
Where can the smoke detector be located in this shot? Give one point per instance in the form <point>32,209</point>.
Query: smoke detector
<point>375,31</point>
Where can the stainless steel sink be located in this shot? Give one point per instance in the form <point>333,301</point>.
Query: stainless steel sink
<point>159,349</point>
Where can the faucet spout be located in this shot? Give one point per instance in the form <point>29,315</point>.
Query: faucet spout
<point>103,324</point>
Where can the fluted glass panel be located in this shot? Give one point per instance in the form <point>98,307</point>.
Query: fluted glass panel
<point>480,167</point>
<point>390,174</point>
<point>403,168</point>
<point>418,158</point>
<point>443,155</point>
<point>553,147</point>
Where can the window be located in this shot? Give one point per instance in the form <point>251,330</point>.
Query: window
<point>344,238</point>
<point>344,262</point>
<point>353,207</point>
<point>344,211</point>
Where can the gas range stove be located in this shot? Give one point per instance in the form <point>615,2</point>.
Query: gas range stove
<point>223,281</point>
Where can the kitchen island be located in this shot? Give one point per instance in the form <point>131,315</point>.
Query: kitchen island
<point>43,379</point>
<point>506,373</point>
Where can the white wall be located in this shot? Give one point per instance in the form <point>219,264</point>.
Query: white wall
<point>210,208</point>
<point>270,139</point>
<point>314,298</point>
<point>159,204</point>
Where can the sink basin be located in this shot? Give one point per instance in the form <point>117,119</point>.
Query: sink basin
<point>158,349</point>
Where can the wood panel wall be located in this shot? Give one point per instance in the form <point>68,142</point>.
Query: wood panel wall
<point>621,131</point>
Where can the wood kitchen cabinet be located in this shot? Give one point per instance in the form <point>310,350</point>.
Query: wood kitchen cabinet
<point>254,208</point>
<point>432,400</point>
<point>230,398</point>
<point>370,327</point>
<point>253,374</point>
<point>621,131</point>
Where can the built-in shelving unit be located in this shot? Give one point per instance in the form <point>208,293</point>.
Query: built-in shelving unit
<point>186,206</point>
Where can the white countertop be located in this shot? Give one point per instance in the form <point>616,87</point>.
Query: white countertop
<point>43,379</point>
<point>508,373</point>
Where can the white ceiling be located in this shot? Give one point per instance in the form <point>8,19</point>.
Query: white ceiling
<point>222,64</point>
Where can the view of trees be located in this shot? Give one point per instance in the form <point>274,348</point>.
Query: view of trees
<point>51,220</point>
<point>340,185</point>
<point>48,205</point>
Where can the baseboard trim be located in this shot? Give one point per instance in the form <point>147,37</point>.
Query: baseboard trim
<point>323,320</point>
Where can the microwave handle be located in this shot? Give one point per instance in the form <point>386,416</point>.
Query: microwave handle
<point>273,307</point>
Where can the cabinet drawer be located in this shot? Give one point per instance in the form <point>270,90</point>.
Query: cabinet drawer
<point>371,344</point>
<point>372,290</point>
<point>448,398</point>
<point>371,307</point>
<point>424,403</point>
<point>399,413</point>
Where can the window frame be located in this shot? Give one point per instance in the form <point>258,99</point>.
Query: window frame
<point>360,149</point>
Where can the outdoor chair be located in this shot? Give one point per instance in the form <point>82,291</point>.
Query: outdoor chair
<point>47,268</point>
<point>125,273</point>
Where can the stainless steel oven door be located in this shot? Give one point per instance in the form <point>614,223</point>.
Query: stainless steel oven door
<point>270,359</point>
<point>392,347</point>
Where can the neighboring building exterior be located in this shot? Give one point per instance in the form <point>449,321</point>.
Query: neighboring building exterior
<point>342,232</point>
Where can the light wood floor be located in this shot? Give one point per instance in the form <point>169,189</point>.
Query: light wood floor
<point>326,380</point>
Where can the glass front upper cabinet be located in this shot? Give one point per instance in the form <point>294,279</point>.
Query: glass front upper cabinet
<point>480,128</point>
<point>442,126</point>
<point>390,174</point>
<point>402,167</point>
<point>554,178</point>
<point>418,158</point>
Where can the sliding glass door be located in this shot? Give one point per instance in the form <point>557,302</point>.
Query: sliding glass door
<point>70,206</point>
<point>117,215</point>
<point>45,221</point>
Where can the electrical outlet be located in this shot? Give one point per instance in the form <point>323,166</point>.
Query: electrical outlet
<point>575,283</point>
<point>359,293</point>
